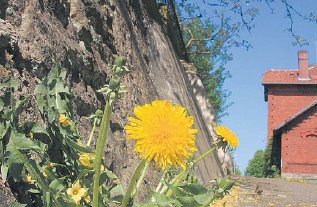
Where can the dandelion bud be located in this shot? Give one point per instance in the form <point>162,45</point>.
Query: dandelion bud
<point>120,61</point>
<point>114,83</point>
<point>112,96</point>
<point>118,71</point>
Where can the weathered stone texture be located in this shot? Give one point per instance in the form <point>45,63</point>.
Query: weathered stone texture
<point>84,36</point>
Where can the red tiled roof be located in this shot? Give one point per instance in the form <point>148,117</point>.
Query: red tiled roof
<point>288,77</point>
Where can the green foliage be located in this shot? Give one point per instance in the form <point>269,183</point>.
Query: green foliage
<point>48,164</point>
<point>256,165</point>
<point>47,152</point>
<point>264,164</point>
<point>270,161</point>
<point>190,194</point>
<point>210,36</point>
<point>207,47</point>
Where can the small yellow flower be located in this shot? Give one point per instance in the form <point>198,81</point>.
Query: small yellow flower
<point>27,179</point>
<point>162,132</point>
<point>63,120</point>
<point>227,136</point>
<point>86,159</point>
<point>76,192</point>
<point>31,135</point>
<point>46,167</point>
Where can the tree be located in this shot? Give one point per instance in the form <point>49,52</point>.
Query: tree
<point>256,165</point>
<point>207,45</point>
<point>209,37</point>
<point>272,159</point>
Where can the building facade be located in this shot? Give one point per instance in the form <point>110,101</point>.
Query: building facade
<point>292,117</point>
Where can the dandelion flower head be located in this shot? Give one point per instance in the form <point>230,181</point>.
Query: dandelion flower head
<point>86,159</point>
<point>63,120</point>
<point>227,136</point>
<point>162,132</point>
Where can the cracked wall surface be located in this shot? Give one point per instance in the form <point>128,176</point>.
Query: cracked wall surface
<point>85,36</point>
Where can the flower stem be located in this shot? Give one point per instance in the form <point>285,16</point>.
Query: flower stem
<point>180,176</point>
<point>159,186</point>
<point>139,183</point>
<point>91,135</point>
<point>133,180</point>
<point>176,181</point>
<point>101,141</point>
<point>205,154</point>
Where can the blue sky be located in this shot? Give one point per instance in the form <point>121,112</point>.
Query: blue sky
<point>272,49</point>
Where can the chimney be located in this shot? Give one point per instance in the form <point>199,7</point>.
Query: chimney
<point>303,65</point>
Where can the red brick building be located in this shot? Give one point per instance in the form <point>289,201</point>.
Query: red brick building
<point>292,117</point>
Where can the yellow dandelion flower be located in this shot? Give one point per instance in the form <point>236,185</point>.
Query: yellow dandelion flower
<point>63,120</point>
<point>27,179</point>
<point>227,136</point>
<point>162,132</point>
<point>76,192</point>
<point>86,159</point>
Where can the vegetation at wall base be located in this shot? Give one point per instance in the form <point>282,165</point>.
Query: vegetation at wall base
<point>47,163</point>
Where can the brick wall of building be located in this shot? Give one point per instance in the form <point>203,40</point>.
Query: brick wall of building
<point>299,145</point>
<point>286,100</point>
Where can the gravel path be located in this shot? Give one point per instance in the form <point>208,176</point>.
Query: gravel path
<point>270,192</point>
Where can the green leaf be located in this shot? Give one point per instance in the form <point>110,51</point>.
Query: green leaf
<point>4,171</point>
<point>21,142</point>
<point>50,116</point>
<point>204,198</point>
<point>110,174</point>
<point>41,103</point>
<point>56,186</point>
<point>1,105</point>
<point>47,199</point>
<point>62,73</point>
<point>59,88</point>
<point>116,194</point>
<point>40,89</point>
<point>162,200</point>
<point>188,201</point>
<point>37,129</point>
<point>84,172</point>
<point>10,83</point>
<point>19,106</point>
<point>176,190</point>
<point>13,83</point>
<point>61,104</point>
<point>53,74</point>
<point>78,147</point>
<point>194,189</point>
<point>51,101</point>
<point>3,130</point>
<point>40,133</point>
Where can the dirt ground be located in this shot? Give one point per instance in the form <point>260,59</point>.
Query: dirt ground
<point>270,192</point>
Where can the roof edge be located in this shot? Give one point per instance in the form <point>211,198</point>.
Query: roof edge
<point>279,127</point>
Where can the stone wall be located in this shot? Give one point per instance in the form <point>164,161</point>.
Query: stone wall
<point>85,36</point>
